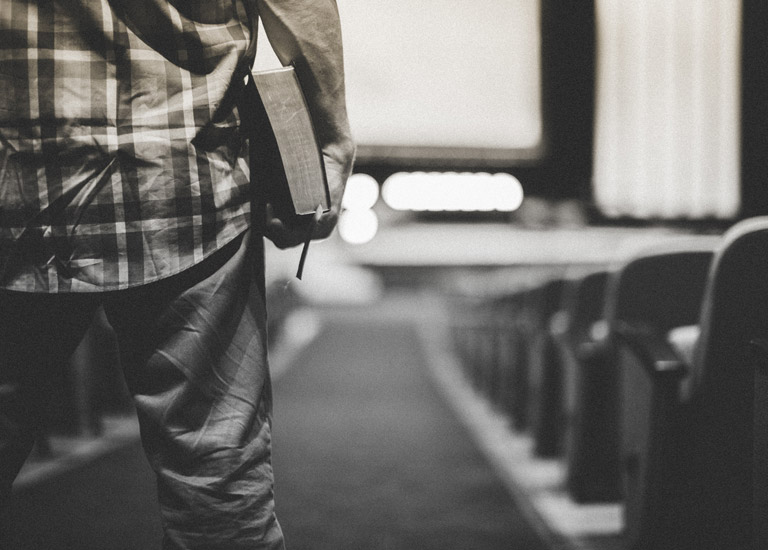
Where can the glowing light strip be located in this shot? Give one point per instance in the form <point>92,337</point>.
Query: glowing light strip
<point>452,192</point>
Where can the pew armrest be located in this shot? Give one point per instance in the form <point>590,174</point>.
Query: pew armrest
<point>656,354</point>
<point>653,429</point>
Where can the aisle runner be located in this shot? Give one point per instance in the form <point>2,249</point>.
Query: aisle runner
<point>368,456</point>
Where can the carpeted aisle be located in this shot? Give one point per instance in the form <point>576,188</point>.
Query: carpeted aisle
<point>368,457</point>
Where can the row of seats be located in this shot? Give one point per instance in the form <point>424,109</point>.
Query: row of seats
<point>649,380</point>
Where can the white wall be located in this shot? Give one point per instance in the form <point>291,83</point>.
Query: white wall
<point>442,74</point>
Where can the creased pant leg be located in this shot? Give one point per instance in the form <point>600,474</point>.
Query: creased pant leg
<point>194,351</point>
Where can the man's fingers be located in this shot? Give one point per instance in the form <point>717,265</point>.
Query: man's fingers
<point>282,234</point>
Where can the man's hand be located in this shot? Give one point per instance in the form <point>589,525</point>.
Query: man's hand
<point>293,232</point>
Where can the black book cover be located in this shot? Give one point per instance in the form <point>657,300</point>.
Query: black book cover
<point>288,159</point>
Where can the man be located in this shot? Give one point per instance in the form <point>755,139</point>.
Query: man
<point>124,183</point>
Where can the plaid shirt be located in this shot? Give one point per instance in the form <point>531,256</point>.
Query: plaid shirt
<point>121,155</point>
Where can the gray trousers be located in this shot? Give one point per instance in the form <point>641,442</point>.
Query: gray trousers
<point>193,351</point>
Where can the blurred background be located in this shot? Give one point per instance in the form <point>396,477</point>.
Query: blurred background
<point>432,386</point>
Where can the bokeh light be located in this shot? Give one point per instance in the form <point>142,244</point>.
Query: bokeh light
<point>453,192</point>
<point>361,193</point>
<point>358,226</point>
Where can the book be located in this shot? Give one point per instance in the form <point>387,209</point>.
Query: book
<point>288,158</point>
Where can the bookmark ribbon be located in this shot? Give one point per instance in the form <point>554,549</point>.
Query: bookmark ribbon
<point>307,240</point>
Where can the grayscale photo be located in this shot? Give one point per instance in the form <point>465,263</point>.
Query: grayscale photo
<point>368,275</point>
